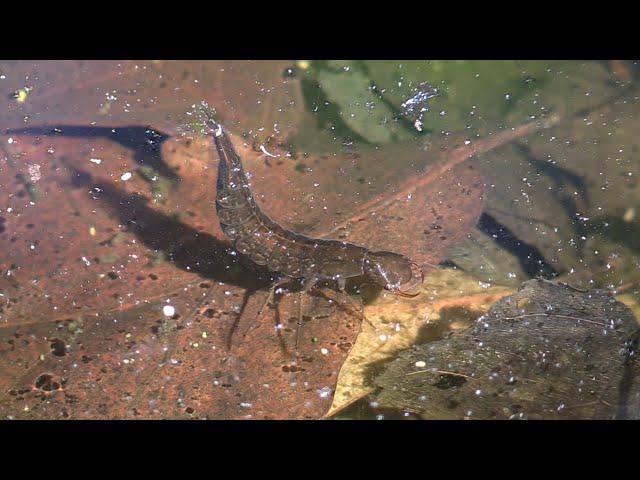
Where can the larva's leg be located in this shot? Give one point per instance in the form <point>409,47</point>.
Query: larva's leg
<point>306,286</point>
<point>272,292</point>
<point>299,325</point>
<point>349,306</point>
<point>270,297</point>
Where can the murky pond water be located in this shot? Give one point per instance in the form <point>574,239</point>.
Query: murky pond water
<point>512,185</point>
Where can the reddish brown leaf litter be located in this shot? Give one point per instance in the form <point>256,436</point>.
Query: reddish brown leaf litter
<point>84,308</point>
<point>105,227</point>
<point>137,363</point>
<point>84,333</point>
<point>257,96</point>
<point>401,197</point>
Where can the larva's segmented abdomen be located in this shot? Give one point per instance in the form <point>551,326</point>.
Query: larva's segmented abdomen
<point>262,240</point>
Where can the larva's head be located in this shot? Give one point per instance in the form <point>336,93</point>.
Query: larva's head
<point>393,272</point>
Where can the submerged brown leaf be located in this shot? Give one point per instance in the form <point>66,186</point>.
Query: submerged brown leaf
<point>103,227</point>
<point>93,260</point>
<point>255,96</point>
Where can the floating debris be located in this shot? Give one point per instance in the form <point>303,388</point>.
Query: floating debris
<point>34,172</point>
<point>416,106</point>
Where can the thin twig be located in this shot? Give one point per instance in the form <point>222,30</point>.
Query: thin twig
<point>443,372</point>
<point>568,317</point>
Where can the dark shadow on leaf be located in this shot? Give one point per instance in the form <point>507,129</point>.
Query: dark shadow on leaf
<point>145,142</point>
<point>616,230</point>
<point>529,256</point>
<point>180,244</point>
<point>565,182</point>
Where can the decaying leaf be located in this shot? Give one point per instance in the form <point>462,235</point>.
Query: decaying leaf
<point>120,296</point>
<point>94,261</point>
<point>256,96</point>
<point>450,300</point>
<point>548,352</point>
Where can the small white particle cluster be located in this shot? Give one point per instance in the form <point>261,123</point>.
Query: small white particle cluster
<point>169,310</point>
<point>125,176</point>
<point>421,364</point>
<point>324,392</point>
<point>34,172</point>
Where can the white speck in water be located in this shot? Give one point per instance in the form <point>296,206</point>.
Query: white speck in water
<point>383,338</point>
<point>421,364</point>
<point>467,142</point>
<point>97,161</point>
<point>478,392</point>
<point>169,310</point>
<point>324,392</point>
<point>86,261</point>
<point>324,351</point>
<point>125,176</point>
<point>10,141</point>
<point>264,150</point>
<point>245,405</point>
